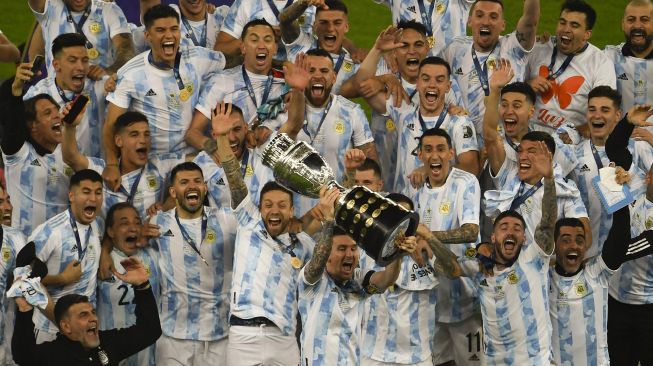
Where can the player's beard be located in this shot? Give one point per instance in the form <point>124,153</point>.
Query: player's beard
<point>641,47</point>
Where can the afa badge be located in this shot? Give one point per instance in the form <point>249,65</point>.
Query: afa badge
<point>95,27</point>
<point>249,171</point>
<point>340,127</point>
<point>648,223</point>
<point>151,182</point>
<point>513,278</point>
<point>470,253</point>
<point>68,171</point>
<point>440,8</point>
<point>581,289</point>
<point>390,126</point>
<point>210,236</point>
<point>445,208</point>
<point>348,66</point>
<point>6,254</point>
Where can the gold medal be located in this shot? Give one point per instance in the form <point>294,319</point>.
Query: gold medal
<point>93,53</point>
<point>295,262</point>
<point>431,41</point>
<point>184,95</point>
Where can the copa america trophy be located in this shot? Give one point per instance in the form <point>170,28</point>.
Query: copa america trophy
<point>372,220</point>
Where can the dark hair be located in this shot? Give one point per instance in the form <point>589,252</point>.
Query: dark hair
<point>30,106</point>
<point>85,174</point>
<point>541,136</point>
<point>435,132</point>
<point>398,197</point>
<point>319,52</point>
<point>127,119</point>
<point>509,213</point>
<point>254,23</point>
<point>370,164</point>
<point>336,5</point>
<point>66,40</point>
<point>414,25</point>
<point>110,219</point>
<point>274,186</point>
<point>434,60</point>
<point>337,230</point>
<point>567,221</point>
<point>607,92</point>
<point>580,6</point>
<point>521,88</point>
<point>64,303</point>
<point>187,166</point>
<point>490,1</point>
<point>159,12</point>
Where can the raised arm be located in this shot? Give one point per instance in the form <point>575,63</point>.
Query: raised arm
<point>69,150</point>
<point>123,46</point>
<point>466,233</point>
<point>297,78</point>
<point>315,267</point>
<point>8,51</point>
<point>227,44</point>
<point>12,111</point>
<point>616,147</point>
<point>543,163</point>
<point>494,145</point>
<point>381,280</point>
<point>288,18</point>
<point>37,5</point>
<point>527,24</point>
<point>111,173</point>
<point>145,5</point>
<point>445,258</point>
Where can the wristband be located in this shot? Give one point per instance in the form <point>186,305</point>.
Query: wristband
<point>143,286</point>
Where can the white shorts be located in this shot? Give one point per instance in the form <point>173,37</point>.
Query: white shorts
<point>43,336</point>
<point>461,342</point>
<point>370,362</point>
<point>175,352</point>
<point>261,345</point>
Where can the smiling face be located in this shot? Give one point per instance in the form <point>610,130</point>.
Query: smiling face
<point>258,47</point>
<point>237,133</point>
<point>369,179</point>
<point>5,207</point>
<point>486,22</point>
<point>602,116</point>
<point>188,190</point>
<point>330,27</point>
<point>436,154</point>
<point>193,8</point>
<point>124,231</point>
<point>71,65</point>
<point>134,143</point>
<point>432,85</point>
<point>80,324</point>
<point>515,111</point>
<point>77,5</point>
<point>508,237</point>
<point>322,78</point>
<point>85,201</point>
<point>46,130</point>
<point>525,153</point>
<point>637,26</point>
<point>570,248</point>
<point>276,211</point>
<point>409,56</point>
<point>343,259</point>
<point>163,36</point>
<point>572,33</point>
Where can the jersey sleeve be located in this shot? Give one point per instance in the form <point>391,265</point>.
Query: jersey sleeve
<point>48,11</point>
<point>96,164</point>
<point>44,242</point>
<point>166,162</point>
<point>210,61</point>
<point>303,43</point>
<point>574,207</point>
<point>605,74</point>
<point>115,19</point>
<point>597,269</point>
<point>210,94</point>
<point>247,211</point>
<point>125,88</point>
<point>362,134</point>
<point>469,203</point>
<point>236,19</point>
<point>464,136</point>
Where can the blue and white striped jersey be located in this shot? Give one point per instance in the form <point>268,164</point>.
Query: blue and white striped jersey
<point>154,92</point>
<point>38,186</point>
<point>56,246</point>
<point>579,309</point>
<point>116,307</point>
<point>264,281</point>
<point>105,21</point>
<point>633,77</point>
<point>12,242</point>
<point>194,301</point>
<point>444,208</point>
<point>515,309</point>
<point>89,131</point>
<point>203,32</point>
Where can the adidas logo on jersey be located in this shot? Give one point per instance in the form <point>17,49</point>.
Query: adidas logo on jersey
<point>220,182</point>
<point>474,358</point>
<point>585,168</point>
<point>412,9</point>
<point>264,233</point>
<point>35,162</point>
<point>411,126</point>
<point>150,93</point>
<point>459,71</point>
<point>169,233</point>
<point>484,283</point>
<point>623,76</point>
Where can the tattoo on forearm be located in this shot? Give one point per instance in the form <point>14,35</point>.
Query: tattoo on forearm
<point>124,52</point>
<point>293,12</point>
<point>444,258</point>
<point>316,265</point>
<point>464,234</point>
<point>210,146</point>
<point>236,182</point>
<point>544,231</point>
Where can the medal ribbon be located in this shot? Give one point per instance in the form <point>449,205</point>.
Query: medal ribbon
<point>319,126</point>
<point>597,159</point>
<point>521,198</point>
<point>426,17</point>
<point>244,161</point>
<point>132,191</point>
<point>250,88</point>
<point>190,240</point>
<point>274,9</point>
<point>165,66</point>
<point>62,94</point>
<point>73,224</point>
<point>481,71</point>
<point>565,63</point>
<point>80,24</point>
<point>294,240</point>
<point>191,33</point>
<point>438,123</point>
<point>341,59</point>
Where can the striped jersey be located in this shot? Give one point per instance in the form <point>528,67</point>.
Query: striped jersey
<point>448,19</point>
<point>115,303</point>
<point>152,182</point>
<point>89,131</point>
<point>105,21</point>
<point>154,92</point>
<point>12,242</point>
<point>407,122</point>
<point>38,186</point>
<point>331,320</point>
<point>566,102</point>
<point>515,309</point>
<point>633,76</point>
<point>264,281</point>
<point>579,307</point>
<point>444,208</point>
<point>194,301</point>
<point>205,33</point>
<point>56,246</point>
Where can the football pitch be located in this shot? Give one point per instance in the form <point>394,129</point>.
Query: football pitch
<point>366,20</point>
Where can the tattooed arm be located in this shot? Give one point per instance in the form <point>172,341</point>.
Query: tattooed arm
<point>222,120</point>
<point>543,164</point>
<point>467,233</point>
<point>369,149</point>
<point>527,25</point>
<point>315,267</point>
<point>445,258</point>
<point>124,51</point>
<point>288,20</point>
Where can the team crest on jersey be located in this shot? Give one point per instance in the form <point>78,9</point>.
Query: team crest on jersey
<point>348,66</point>
<point>68,171</point>
<point>302,20</point>
<point>513,278</point>
<point>91,252</point>
<point>249,171</point>
<point>445,208</point>
<point>173,100</point>
<point>95,27</point>
<point>210,236</point>
<point>470,253</point>
<point>340,127</point>
<point>152,184</point>
<point>148,270</point>
<point>581,289</point>
<point>649,223</point>
<point>6,254</point>
<point>440,8</point>
<point>390,125</point>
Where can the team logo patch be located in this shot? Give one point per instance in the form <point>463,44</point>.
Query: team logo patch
<point>581,289</point>
<point>210,236</point>
<point>340,127</point>
<point>302,20</point>
<point>648,223</point>
<point>249,171</point>
<point>445,208</point>
<point>6,254</point>
<point>151,182</point>
<point>440,8</point>
<point>95,27</point>
<point>148,270</point>
<point>470,253</point>
<point>68,171</point>
<point>390,125</point>
<point>348,66</point>
<point>513,278</point>
<point>93,53</point>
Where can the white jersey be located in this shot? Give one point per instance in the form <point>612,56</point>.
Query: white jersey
<point>151,179</point>
<point>12,242</point>
<point>579,309</point>
<point>229,86</point>
<point>444,208</point>
<point>587,169</point>
<point>633,282</point>
<point>244,11</point>
<point>447,21</point>
<point>194,302</point>
<point>634,77</point>
<point>343,65</point>
<point>56,246</point>
<point>407,122</point>
<point>459,56</point>
<point>331,320</point>
<point>566,101</point>
<point>255,174</point>
<point>264,282</point>
<point>154,92</point>
<point>105,21</point>
<point>344,127</point>
<point>116,307</point>
<point>37,184</point>
<point>89,131</point>
<point>398,325</point>
<point>515,309</point>
<point>204,31</point>
<point>564,159</point>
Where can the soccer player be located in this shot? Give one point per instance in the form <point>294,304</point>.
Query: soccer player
<point>70,79</point>
<point>69,244</point>
<point>332,292</point>
<point>108,38</point>
<point>115,298</point>
<point>267,261</point>
<point>474,57</point>
<point>362,171</point>
<point>564,70</point>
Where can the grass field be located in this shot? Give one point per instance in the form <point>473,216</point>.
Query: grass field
<point>366,20</point>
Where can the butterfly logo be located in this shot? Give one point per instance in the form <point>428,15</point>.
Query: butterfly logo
<point>563,91</point>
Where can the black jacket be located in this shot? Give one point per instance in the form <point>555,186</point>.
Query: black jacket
<point>115,344</point>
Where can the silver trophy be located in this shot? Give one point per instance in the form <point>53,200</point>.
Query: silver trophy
<point>373,221</point>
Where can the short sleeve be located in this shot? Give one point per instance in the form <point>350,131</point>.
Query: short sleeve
<point>469,203</point>
<point>19,156</point>
<point>605,74</point>
<point>246,212</point>
<point>164,163</point>
<point>598,270</point>
<point>96,164</point>
<point>115,19</point>
<point>125,88</point>
<point>464,136</point>
<point>362,134</point>
<point>236,19</point>
<point>303,43</point>
<point>574,207</point>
